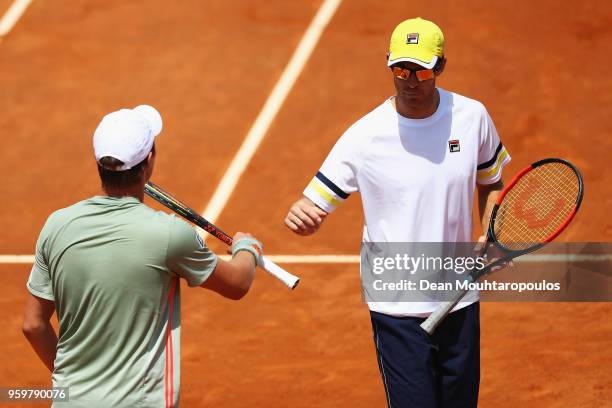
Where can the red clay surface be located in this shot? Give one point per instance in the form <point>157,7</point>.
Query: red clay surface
<point>4,6</point>
<point>208,66</point>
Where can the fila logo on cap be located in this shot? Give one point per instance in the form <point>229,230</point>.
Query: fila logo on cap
<point>412,38</point>
<point>453,146</point>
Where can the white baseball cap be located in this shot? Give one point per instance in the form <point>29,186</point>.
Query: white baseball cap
<point>127,135</point>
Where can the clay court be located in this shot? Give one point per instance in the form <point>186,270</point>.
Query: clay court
<point>209,66</point>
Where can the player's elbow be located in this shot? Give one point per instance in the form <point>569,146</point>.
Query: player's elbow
<point>33,327</point>
<point>243,284</point>
<point>236,290</point>
<point>238,293</point>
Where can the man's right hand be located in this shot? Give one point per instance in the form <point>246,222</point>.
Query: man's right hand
<point>304,217</point>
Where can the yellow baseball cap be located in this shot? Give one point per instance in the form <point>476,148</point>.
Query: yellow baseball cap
<point>416,40</point>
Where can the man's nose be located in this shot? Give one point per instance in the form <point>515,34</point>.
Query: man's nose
<point>412,80</point>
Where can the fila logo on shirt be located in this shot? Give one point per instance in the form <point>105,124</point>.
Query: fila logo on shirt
<point>412,38</point>
<point>453,146</point>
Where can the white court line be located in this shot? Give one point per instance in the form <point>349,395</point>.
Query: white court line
<point>16,259</point>
<point>270,110</point>
<point>354,259</point>
<point>12,15</point>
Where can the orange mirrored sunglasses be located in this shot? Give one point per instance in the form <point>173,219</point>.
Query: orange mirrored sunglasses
<point>421,74</point>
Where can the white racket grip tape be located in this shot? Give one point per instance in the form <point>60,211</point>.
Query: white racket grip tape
<point>434,319</point>
<point>288,279</point>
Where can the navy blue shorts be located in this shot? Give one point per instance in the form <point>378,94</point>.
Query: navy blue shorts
<point>422,371</point>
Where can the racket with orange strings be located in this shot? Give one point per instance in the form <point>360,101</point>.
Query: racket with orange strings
<point>531,211</point>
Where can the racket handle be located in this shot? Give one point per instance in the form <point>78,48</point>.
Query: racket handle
<point>279,273</point>
<point>434,319</point>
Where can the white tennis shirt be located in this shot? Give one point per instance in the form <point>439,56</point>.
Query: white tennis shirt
<point>416,177</point>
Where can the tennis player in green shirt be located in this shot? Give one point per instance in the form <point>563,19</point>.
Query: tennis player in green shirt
<point>109,266</point>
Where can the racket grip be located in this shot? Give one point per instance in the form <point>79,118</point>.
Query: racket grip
<point>434,319</point>
<point>279,273</point>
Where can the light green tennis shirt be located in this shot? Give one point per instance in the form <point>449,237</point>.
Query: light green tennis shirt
<point>112,267</point>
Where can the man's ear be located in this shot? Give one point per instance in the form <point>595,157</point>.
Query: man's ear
<point>439,68</point>
<point>148,169</point>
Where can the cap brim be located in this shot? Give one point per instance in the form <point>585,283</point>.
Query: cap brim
<point>416,61</point>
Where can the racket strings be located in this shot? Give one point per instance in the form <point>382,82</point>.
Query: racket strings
<point>537,206</point>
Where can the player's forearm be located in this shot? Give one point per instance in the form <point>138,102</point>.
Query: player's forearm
<point>487,196</point>
<point>232,279</point>
<point>245,266</point>
<point>43,340</point>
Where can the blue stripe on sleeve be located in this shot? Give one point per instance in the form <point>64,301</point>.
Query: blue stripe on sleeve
<point>332,186</point>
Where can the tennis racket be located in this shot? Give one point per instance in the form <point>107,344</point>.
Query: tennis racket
<point>532,210</point>
<point>158,194</point>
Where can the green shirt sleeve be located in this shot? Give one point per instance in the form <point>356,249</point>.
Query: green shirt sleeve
<point>188,256</point>
<point>39,282</point>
